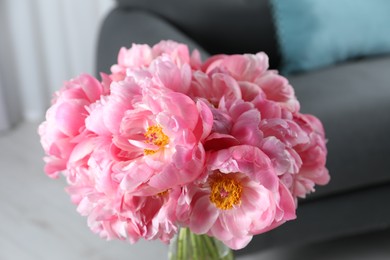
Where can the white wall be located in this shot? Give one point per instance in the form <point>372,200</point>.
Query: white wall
<point>46,42</point>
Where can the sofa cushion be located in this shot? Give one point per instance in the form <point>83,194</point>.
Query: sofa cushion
<point>314,34</point>
<point>353,102</point>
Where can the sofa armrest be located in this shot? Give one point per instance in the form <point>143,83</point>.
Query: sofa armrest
<point>138,27</point>
<point>220,26</point>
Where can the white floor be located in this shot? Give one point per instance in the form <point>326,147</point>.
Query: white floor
<point>38,222</point>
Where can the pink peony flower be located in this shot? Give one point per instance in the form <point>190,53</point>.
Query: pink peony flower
<point>115,214</point>
<point>169,75</point>
<point>65,120</point>
<point>281,139</point>
<point>166,141</point>
<point>239,122</point>
<point>278,89</point>
<point>178,52</point>
<point>152,217</point>
<point>142,55</point>
<point>252,74</point>
<point>241,197</point>
<point>245,67</point>
<point>214,87</point>
<point>313,154</point>
<point>153,135</point>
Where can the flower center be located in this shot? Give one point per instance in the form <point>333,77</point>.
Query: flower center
<point>225,190</point>
<point>163,193</point>
<point>155,135</point>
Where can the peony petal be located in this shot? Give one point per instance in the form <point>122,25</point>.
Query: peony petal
<point>237,243</point>
<point>216,141</point>
<point>246,130</point>
<point>204,216</point>
<point>136,174</point>
<point>91,87</point>
<point>82,149</point>
<point>219,231</point>
<point>205,121</point>
<point>286,203</point>
<point>69,117</point>
<point>94,122</point>
<point>236,222</point>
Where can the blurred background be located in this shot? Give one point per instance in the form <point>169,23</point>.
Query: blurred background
<point>42,44</point>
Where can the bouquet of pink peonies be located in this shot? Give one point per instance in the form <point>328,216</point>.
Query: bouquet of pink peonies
<point>167,142</point>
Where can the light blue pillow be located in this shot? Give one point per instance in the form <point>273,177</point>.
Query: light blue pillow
<point>315,33</point>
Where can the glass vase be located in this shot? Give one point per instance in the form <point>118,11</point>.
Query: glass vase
<point>186,245</point>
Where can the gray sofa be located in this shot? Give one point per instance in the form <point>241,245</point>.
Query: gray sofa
<point>351,98</point>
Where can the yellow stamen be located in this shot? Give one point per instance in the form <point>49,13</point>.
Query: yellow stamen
<point>163,193</point>
<point>155,135</point>
<point>225,190</point>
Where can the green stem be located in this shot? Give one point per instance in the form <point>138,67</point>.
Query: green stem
<point>212,249</point>
<point>181,245</point>
<point>185,242</point>
<point>188,245</point>
<point>195,247</point>
<point>202,249</point>
<point>229,256</point>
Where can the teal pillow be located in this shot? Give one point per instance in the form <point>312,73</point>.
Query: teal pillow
<point>316,33</point>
